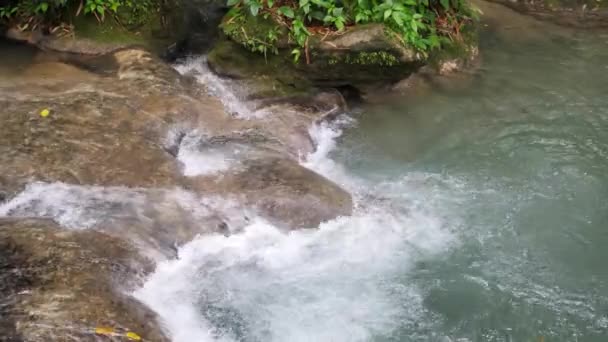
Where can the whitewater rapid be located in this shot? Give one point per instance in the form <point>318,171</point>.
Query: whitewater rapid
<point>340,282</point>
<point>347,280</point>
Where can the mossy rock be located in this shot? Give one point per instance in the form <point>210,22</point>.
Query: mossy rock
<point>273,76</point>
<point>458,54</point>
<point>360,57</point>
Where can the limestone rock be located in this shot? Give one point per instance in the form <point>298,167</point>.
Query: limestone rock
<point>283,191</point>
<point>60,285</point>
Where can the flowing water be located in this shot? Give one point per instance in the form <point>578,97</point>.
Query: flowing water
<point>481,215</point>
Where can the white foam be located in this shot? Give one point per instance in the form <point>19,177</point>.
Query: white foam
<point>85,207</point>
<point>341,282</point>
<point>223,89</point>
<point>202,160</point>
<point>330,284</point>
<point>324,136</point>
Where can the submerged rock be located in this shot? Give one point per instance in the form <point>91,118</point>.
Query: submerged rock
<point>58,285</point>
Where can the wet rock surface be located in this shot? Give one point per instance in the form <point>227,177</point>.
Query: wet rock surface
<point>284,192</point>
<point>62,285</point>
<point>100,129</point>
<point>116,152</point>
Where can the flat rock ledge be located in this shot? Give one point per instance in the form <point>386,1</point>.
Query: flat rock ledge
<point>113,143</point>
<point>60,285</point>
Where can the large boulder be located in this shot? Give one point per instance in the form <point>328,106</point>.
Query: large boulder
<point>282,191</point>
<point>365,54</point>
<point>363,57</point>
<point>58,285</point>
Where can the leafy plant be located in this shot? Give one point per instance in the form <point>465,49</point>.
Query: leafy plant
<point>48,11</point>
<point>418,23</point>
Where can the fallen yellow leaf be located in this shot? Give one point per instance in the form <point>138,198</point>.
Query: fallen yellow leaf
<point>104,331</point>
<point>133,336</point>
<point>45,112</point>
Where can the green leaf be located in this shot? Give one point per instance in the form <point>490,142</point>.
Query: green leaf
<point>231,3</point>
<point>254,8</point>
<point>397,18</point>
<point>270,3</point>
<point>445,4</point>
<point>42,7</point>
<point>340,23</point>
<point>287,11</point>
<point>318,15</point>
<point>296,55</point>
<point>387,13</point>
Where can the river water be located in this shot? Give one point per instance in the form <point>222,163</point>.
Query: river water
<point>481,215</point>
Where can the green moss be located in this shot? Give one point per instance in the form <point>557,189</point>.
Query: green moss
<point>108,31</point>
<point>461,50</point>
<point>256,34</point>
<point>150,34</point>
<point>374,58</point>
<point>380,58</point>
<point>272,76</point>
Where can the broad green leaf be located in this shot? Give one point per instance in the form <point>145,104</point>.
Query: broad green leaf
<point>397,18</point>
<point>387,13</point>
<point>233,2</point>
<point>340,23</point>
<point>445,4</point>
<point>287,11</point>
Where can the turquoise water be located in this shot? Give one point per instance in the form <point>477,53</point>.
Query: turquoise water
<point>481,214</point>
<point>515,159</point>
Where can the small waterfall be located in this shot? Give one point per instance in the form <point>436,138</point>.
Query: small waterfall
<point>223,89</point>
